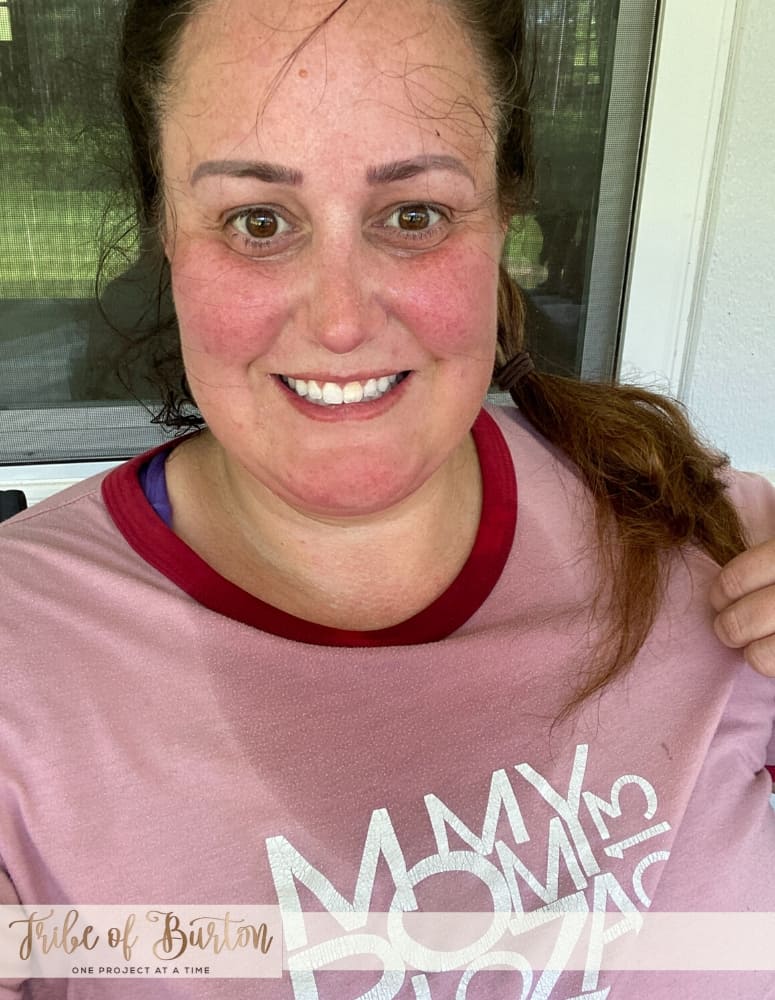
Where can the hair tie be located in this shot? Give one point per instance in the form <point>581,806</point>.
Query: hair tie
<point>515,371</point>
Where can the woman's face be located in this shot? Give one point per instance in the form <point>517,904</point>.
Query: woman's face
<point>334,236</point>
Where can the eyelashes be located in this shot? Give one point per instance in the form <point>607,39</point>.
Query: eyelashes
<point>267,230</point>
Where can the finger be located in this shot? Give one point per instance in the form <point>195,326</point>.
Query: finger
<point>748,620</point>
<point>761,655</point>
<point>751,570</point>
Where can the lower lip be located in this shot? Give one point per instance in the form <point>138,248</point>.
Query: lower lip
<point>346,411</point>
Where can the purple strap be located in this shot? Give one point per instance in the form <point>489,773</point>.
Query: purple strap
<point>154,484</point>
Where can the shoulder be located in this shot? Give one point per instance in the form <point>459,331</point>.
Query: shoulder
<point>754,498</point>
<point>79,509</point>
<point>52,517</point>
<point>753,495</point>
<point>548,481</point>
<point>74,592</point>
<point>59,544</point>
<point>528,446</point>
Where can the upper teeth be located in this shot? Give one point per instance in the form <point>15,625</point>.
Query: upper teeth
<point>331,394</point>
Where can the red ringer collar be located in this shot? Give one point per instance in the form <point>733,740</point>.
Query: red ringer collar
<point>150,537</point>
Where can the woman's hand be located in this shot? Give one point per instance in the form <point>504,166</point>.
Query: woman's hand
<point>743,594</point>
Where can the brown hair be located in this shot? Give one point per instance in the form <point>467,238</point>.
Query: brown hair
<point>655,486</point>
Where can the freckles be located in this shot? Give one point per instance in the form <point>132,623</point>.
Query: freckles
<point>222,312</point>
<point>457,306</point>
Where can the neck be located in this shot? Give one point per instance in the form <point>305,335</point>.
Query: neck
<point>361,572</point>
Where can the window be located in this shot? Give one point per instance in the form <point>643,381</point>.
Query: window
<point>6,35</point>
<point>61,398</point>
<point>589,110</point>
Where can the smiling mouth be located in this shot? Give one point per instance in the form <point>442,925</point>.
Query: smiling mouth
<point>333,394</point>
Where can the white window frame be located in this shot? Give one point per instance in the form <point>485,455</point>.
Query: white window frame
<point>41,481</point>
<point>695,43</point>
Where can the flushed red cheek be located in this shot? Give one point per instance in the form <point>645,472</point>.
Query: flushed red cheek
<point>223,311</point>
<point>455,302</point>
<point>232,310</point>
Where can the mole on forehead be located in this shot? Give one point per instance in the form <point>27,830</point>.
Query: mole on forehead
<point>354,55</point>
<point>290,26</point>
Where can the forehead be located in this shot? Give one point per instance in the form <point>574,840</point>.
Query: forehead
<point>290,78</point>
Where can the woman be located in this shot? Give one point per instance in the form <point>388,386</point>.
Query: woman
<point>317,654</point>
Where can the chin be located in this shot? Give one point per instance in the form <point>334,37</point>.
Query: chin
<point>348,496</point>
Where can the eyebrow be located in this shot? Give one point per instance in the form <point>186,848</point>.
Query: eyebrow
<point>402,170</point>
<point>271,173</point>
<point>274,173</point>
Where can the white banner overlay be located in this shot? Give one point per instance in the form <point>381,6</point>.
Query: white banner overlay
<point>549,938</point>
<point>128,942</point>
<point>247,942</point>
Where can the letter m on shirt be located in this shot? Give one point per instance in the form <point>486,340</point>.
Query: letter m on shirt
<point>290,869</point>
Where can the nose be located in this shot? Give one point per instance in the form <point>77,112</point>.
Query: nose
<point>343,311</point>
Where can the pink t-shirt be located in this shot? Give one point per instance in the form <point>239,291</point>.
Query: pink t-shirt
<point>167,737</point>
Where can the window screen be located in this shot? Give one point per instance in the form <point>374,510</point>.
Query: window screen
<point>570,253</point>
<point>72,388</point>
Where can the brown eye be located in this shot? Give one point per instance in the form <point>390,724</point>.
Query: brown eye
<point>414,217</point>
<point>415,222</point>
<point>261,224</point>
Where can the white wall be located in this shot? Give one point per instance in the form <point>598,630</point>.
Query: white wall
<point>700,310</point>
<point>729,372</point>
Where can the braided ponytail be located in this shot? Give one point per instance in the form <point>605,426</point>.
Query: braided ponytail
<point>656,487</point>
